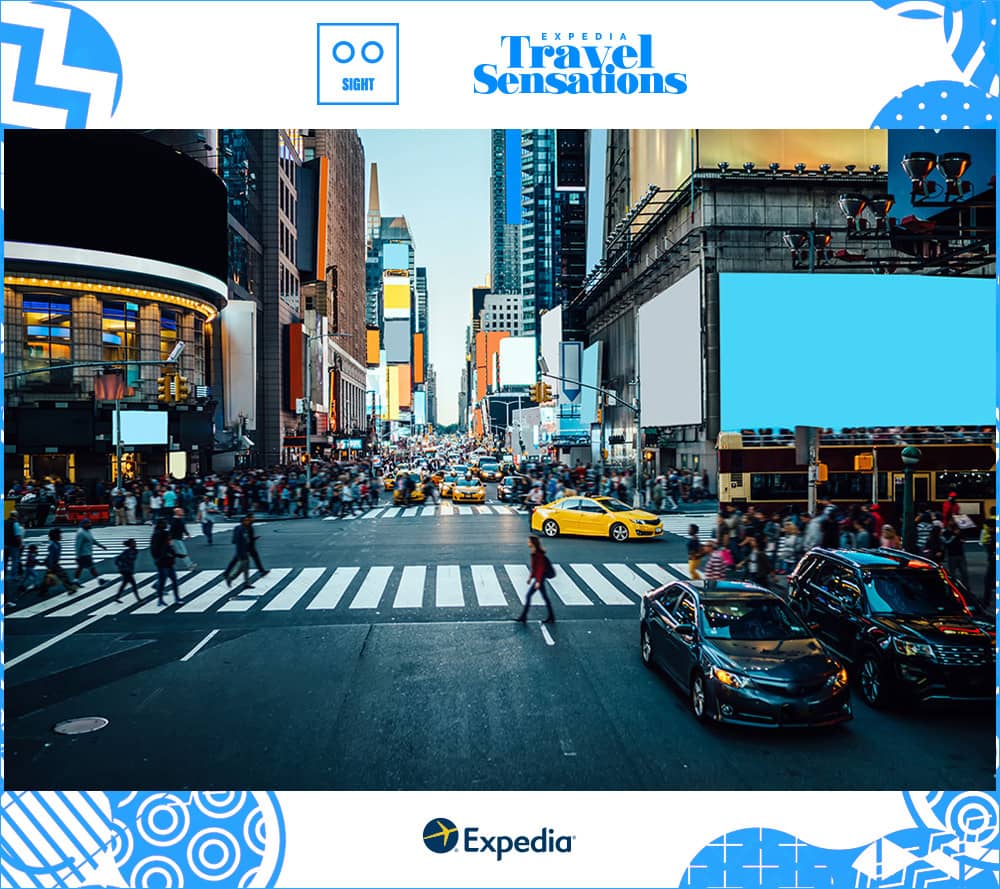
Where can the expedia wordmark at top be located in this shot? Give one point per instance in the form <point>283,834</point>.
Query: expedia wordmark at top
<point>604,65</point>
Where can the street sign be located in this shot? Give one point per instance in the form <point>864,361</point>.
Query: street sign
<point>571,368</point>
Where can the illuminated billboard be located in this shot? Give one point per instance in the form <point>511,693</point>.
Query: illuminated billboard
<point>396,296</point>
<point>855,350</point>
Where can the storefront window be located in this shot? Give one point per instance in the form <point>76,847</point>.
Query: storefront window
<point>168,333</point>
<point>120,336</point>
<point>46,338</point>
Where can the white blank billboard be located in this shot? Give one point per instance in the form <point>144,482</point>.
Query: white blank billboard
<point>239,353</point>
<point>670,355</point>
<point>551,336</point>
<point>144,427</point>
<point>518,361</point>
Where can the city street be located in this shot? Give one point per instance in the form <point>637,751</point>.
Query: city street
<point>379,652</point>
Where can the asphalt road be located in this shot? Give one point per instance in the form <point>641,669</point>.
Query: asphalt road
<point>380,654</point>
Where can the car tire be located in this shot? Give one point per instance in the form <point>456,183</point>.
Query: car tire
<point>550,528</point>
<point>872,682</point>
<point>646,648</point>
<point>698,697</point>
<point>618,532</point>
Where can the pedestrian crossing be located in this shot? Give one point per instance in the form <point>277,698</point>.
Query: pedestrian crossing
<point>364,590</point>
<point>679,522</point>
<point>439,509</point>
<point>113,539</point>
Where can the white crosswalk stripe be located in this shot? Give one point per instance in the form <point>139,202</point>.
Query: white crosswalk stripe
<point>382,588</point>
<point>679,522</point>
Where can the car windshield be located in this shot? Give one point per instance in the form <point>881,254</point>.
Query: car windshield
<point>741,619</point>
<point>613,505</point>
<point>468,483</point>
<point>911,591</point>
<point>490,467</point>
<point>451,478</point>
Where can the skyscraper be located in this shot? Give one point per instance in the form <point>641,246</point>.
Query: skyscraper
<point>505,229</point>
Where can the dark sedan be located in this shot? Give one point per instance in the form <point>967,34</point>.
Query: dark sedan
<point>512,488</point>
<point>741,655</point>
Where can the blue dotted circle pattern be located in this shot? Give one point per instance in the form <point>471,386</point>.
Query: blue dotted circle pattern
<point>954,843</point>
<point>141,839</point>
<point>969,30</point>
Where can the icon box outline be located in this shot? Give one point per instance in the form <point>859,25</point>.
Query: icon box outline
<point>319,29</point>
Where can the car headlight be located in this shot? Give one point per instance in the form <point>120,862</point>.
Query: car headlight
<point>733,680</point>
<point>838,679</point>
<point>913,649</point>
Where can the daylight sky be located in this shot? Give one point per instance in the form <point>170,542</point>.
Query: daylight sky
<point>440,181</point>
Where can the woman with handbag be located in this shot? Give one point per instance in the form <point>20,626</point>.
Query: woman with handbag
<point>541,570</point>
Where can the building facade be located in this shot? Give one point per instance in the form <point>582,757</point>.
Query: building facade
<point>505,229</point>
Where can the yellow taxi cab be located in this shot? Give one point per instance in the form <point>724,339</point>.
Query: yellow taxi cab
<point>437,476</point>
<point>416,495</point>
<point>468,490</point>
<point>460,469</point>
<point>447,483</point>
<point>595,517</point>
<point>390,478</point>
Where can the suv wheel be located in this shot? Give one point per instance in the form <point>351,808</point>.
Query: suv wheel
<point>646,647</point>
<point>698,698</point>
<point>872,682</point>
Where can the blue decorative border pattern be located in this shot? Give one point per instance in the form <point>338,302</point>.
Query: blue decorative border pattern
<point>70,839</point>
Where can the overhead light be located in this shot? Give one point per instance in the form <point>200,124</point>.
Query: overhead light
<point>800,168</point>
<point>723,166</point>
<point>850,169</point>
<point>953,166</point>
<point>774,167</point>
<point>852,205</point>
<point>875,168</point>
<point>824,168</point>
<point>748,167</point>
<point>918,165</point>
<point>880,205</point>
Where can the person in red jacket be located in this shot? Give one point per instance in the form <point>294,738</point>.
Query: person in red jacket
<point>950,508</point>
<point>541,569</point>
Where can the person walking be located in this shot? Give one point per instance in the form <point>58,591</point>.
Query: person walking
<point>954,552</point>
<point>719,561</point>
<point>83,545</point>
<point>253,538</point>
<point>541,570</point>
<point>130,506</point>
<point>125,563</point>
<point>178,534</point>
<point>206,517</point>
<point>889,539</point>
<point>13,542</point>
<point>241,554</point>
<point>695,551</point>
<point>163,557</point>
<point>53,570</point>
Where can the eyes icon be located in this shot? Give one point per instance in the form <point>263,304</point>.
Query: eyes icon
<point>371,51</point>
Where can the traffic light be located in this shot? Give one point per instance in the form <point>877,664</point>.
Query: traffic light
<point>822,472</point>
<point>163,388</point>
<point>182,388</point>
<point>546,392</point>
<point>864,462</point>
<point>303,459</point>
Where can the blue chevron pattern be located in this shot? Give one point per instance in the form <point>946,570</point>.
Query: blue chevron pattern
<point>68,67</point>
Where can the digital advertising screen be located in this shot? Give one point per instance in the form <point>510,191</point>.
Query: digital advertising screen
<point>604,504</point>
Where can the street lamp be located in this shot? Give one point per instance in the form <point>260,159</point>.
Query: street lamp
<point>910,457</point>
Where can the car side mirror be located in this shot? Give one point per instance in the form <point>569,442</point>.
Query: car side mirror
<point>686,630</point>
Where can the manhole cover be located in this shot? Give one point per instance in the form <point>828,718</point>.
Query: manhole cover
<point>80,726</point>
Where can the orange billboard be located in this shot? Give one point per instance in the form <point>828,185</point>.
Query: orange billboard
<point>374,345</point>
<point>418,358</point>
<point>487,347</point>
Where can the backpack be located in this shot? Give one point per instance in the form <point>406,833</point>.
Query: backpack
<point>550,569</point>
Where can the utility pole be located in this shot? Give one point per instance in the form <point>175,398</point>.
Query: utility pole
<point>637,492</point>
<point>813,469</point>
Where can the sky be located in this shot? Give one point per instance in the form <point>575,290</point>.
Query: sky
<point>440,181</point>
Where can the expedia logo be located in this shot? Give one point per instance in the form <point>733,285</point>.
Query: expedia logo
<point>441,835</point>
<point>577,63</point>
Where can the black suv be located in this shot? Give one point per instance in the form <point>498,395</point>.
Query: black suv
<point>899,621</point>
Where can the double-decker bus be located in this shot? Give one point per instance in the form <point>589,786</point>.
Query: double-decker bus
<point>759,468</point>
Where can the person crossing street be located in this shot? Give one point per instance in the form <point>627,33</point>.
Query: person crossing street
<point>540,571</point>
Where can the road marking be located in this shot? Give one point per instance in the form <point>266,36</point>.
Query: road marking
<point>518,575</point>
<point>487,585</point>
<point>483,509</point>
<point>602,586</point>
<point>128,597</point>
<point>391,512</point>
<point>374,514</point>
<point>246,599</point>
<point>464,510</point>
<point>681,568</point>
<point>57,601</point>
<point>567,590</point>
<point>189,584</point>
<point>331,592</point>
<point>429,510</point>
<point>85,603</point>
<point>410,593</point>
<point>657,573</point>
<point>635,582</point>
<point>449,587</point>
<point>410,512</point>
<point>447,509</point>
<point>199,646</point>
<point>48,643</point>
<point>207,599</point>
<point>290,595</point>
<point>372,587</point>
<point>545,632</point>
